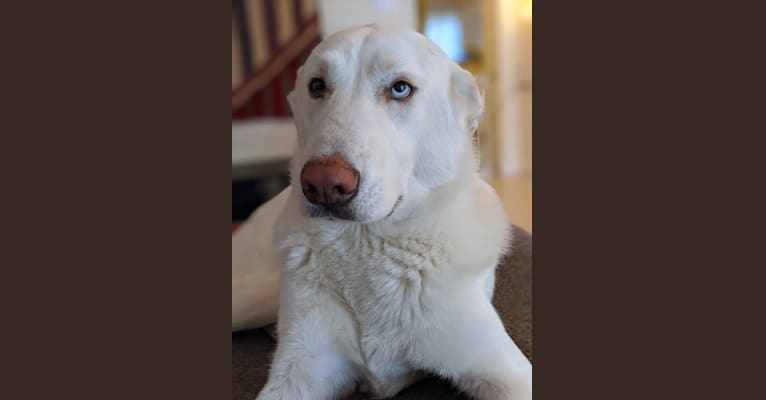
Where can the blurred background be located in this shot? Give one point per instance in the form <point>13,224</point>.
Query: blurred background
<point>272,38</point>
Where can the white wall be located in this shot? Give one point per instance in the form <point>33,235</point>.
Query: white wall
<point>514,77</point>
<point>335,15</point>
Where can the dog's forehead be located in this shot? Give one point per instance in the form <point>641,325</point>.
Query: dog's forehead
<point>393,50</point>
<point>375,49</point>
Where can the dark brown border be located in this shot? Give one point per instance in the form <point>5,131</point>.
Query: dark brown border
<point>119,231</point>
<point>647,229</point>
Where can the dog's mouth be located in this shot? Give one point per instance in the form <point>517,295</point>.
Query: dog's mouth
<point>333,213</point>
<point>398,200</point>
<point>342,213</point>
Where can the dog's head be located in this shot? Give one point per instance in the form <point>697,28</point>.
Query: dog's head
<point>383,118</point>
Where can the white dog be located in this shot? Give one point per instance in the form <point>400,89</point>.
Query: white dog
<point>387,240</point>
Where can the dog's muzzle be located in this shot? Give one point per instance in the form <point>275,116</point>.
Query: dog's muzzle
<point>329,184</point>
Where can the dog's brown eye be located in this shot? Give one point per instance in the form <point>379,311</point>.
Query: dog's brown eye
<point>317,87</point>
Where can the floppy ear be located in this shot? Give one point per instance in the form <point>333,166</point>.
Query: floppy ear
<point>291,96</point>
<point>467,99</point>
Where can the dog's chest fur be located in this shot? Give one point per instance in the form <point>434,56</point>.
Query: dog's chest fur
<point>381,280</point>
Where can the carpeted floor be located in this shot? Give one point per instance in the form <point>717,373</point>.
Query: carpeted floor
<point>251,351</point>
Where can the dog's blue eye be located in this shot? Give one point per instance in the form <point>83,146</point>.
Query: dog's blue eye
<point>401,90</point>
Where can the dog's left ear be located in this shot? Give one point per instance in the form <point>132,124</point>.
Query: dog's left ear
<point>467,99</point>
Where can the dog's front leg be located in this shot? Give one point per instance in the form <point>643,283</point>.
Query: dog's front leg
<point>506,375</point>
<point>499,370</point>
<point>479,356</point>
<point>311,361</point>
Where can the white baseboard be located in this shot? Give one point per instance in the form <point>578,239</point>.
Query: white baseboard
<point>262,141</point>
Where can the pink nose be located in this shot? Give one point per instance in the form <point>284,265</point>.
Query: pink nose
<point>329,181</point>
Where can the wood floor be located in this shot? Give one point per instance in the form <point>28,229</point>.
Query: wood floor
<point>516,193</point>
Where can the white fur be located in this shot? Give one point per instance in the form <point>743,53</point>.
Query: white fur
<point>378,301</point>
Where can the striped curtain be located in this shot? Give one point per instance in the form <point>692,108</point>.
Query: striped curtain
<point>270,39</point>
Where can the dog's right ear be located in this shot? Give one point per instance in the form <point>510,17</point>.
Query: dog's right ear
<point>291,100</point>
<point>291,96</point>
<point>466,98</point>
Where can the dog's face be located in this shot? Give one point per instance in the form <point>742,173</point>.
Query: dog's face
<point>383,117</point>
